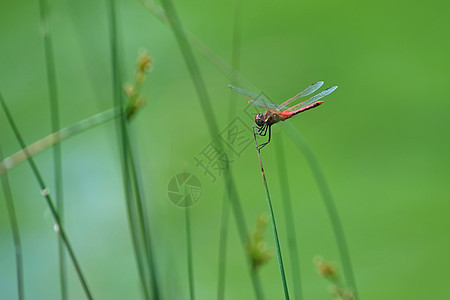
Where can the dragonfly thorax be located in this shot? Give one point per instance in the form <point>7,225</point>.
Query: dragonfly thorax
<point>268,119</point>
<point>259,119</point>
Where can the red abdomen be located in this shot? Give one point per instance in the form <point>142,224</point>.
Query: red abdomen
<point>288,114</point>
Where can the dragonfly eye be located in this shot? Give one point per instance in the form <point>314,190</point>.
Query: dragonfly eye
<point>259,119</point>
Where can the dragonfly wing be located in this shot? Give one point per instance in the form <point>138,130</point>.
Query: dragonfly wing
<point>313,99</point>
<point>265,105</point>
<point>308,91</point>
<point>249,95</point>
<point>255,99</point>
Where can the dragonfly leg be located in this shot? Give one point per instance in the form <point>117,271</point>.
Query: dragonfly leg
<point>264,129</point>
<point>268,128</point>
<point>258,130</point>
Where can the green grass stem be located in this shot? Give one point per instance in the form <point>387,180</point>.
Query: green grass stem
<point>226,69</point>
<point>57,137</point>
<point>15,232</point>
<point>55,125</point>
<point>190,263</point>
<point>133,219</point>
<point>229,70</point>
<point>58,227</point>
<point>223,243</point>
<point>274,225</point>
<point>328,201</point>
<point>122,138</point>
<point>289,218</point>
<point>213,130</point>
<point>143,222</point>
<point>235,62</point>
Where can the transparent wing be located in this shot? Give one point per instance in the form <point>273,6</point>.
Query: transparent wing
<point>255,99</point>
<point>313,99</point>
<point>308,91</point>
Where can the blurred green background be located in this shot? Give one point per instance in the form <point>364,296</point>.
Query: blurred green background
<point>382,139</point>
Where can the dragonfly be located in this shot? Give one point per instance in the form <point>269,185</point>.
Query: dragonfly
<point>276,113</point>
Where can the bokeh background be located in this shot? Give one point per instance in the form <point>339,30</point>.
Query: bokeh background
<point>382,140</point>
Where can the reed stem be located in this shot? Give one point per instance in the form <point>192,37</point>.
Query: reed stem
<point>15,232</point>
<point>55,125</point>
<point>235,62</point>
<point>328,201</point>
<point>57,137</point>
<point>274,225</point>
<point>223,248</point>
<point>122,138</point>
<point>289,218</point>
<point>143,222</point>
<point>44,191</point>
<point>213,130</point>
<point>189,254</point>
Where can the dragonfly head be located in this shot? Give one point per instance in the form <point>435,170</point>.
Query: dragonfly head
<point>259,119</point>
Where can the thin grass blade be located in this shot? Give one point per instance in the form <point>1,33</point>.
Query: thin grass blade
<point>55,124</point>
<point>213,130</point>
<point>15,232</point>
<point>274,225</point>
<point>122,137</point>
<point>57,137</point>
<point>328,201</point>
<point>44,191</point>
<point>289,218</point>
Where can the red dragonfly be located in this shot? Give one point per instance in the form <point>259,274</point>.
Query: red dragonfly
<point>276,113</point>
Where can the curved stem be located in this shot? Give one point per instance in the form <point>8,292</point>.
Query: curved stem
<point>328,201</point>
<point>207,111</point>
<point>56,137</point>
<point>122,138</point>
<point>15,232</point>
<point>58,227</point>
